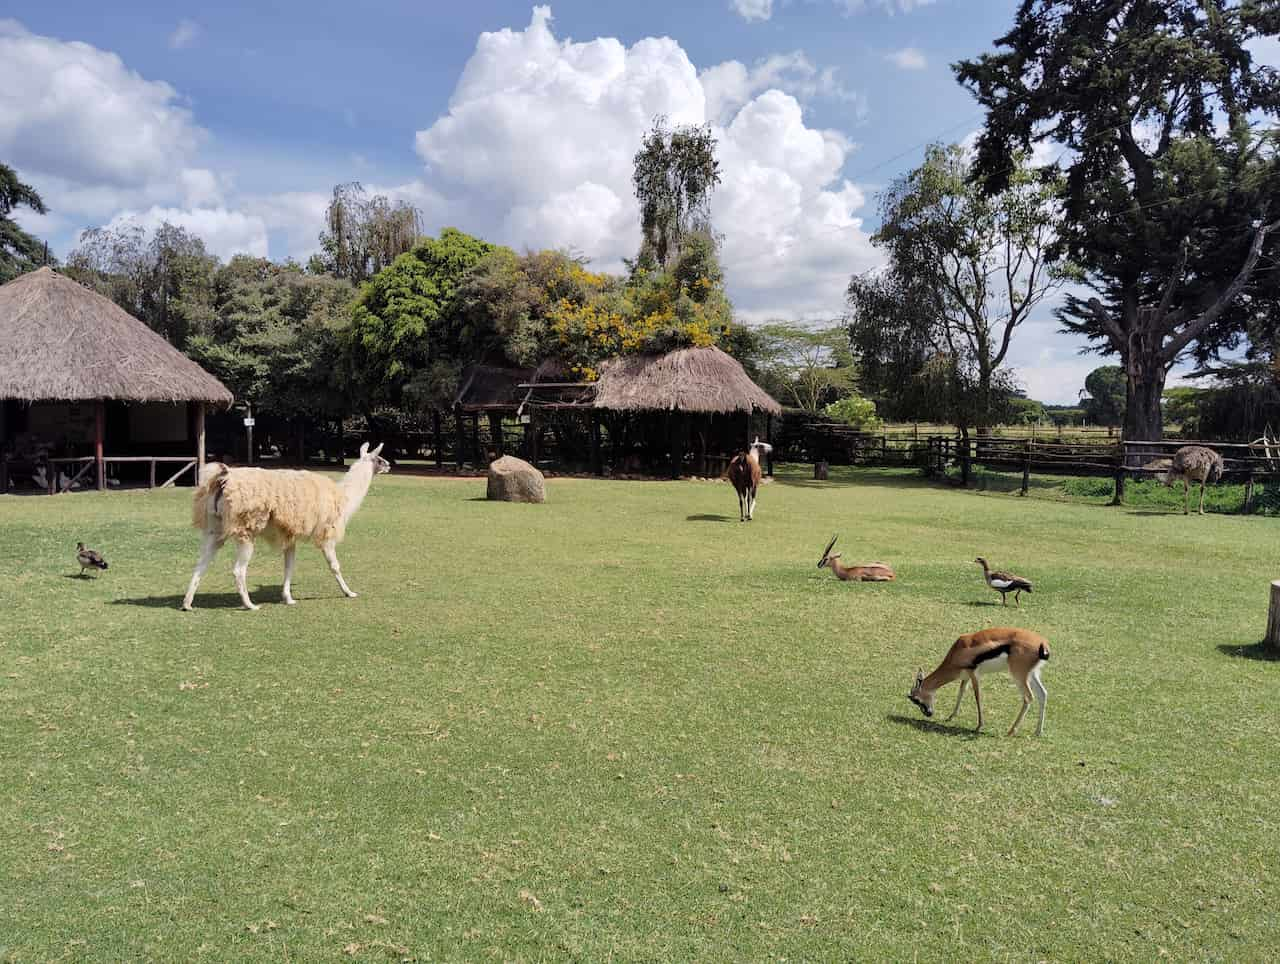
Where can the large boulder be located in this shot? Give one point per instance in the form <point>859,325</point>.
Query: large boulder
<point>515,480</point>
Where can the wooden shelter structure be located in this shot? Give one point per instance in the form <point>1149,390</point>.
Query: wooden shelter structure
<point>524,396</point>
<point>688,395</point>
<point>79,373</point>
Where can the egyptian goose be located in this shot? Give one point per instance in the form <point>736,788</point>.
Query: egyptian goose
<point>1004,582</point>
<point>88,559</point>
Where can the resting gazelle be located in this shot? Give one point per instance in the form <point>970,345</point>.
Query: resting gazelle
<point>1020,651</point>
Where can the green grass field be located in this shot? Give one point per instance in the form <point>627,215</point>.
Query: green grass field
<point>622,725</point>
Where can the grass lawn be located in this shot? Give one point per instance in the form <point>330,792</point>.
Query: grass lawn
<point>622,725</point>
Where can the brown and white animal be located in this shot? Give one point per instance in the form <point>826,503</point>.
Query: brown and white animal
<point>1193,463</point>
<point>1020,651</point>
<point>283,506</point>
<point>863,572</point>
<point>1004,582</point>
<point>88,559</point>
<point>744,473</point>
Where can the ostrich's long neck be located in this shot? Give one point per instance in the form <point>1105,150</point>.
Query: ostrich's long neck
<point>354,485</point>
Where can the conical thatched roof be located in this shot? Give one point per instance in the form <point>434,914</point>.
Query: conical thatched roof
<point>703,380</point>
<point>61,341</point>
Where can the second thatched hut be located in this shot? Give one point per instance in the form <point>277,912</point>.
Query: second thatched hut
<point>695,405</point>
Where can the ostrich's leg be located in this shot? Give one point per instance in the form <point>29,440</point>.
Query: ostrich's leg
<point>290,555</point>
<point>1186,496</point>
<point>244,552</point>
<point>207,552</point>
<point>330,554</point>
<point>1202,496</point>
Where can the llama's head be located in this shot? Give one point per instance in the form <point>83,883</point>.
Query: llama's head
<point>760,447</point>
<point>380,464</point>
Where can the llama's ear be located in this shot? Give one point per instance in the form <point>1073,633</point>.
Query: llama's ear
<point>364,449</point>
<point>378,449</point>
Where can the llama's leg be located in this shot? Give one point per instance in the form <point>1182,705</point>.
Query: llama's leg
<point>290,554</point>
<point>331,554</point>
<point>1042,696</point>
<point>1026,701</point>
<point>963,684</point>
<point>207,552</point>
<point>742,506</point>
<point>241,570</point>
<point>977,697</point>
<point>751,503</point>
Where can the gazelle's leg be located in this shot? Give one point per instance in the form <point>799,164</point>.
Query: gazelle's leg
<point>977,697</point>
<point>963,684</point>
<point>244,552</point>
<point>1026,701</point>
<point>290,555</point>
<point>1042,696</point>
<point>207,552</point>
<point>331,554</point>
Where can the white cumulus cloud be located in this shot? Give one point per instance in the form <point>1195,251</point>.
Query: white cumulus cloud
<point>537,146</point>
<point>75,113</point>
<point>184,35</point>
<point>750,10</point>
<point>908,58</point>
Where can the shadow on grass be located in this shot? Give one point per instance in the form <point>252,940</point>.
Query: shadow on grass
<point>928,726</point>
<point>212,600</point>
<point>1259,651</point>
<point>78,576</point>
<point>1153,512</point>
<point>985,602</point>
<point>706,517</point>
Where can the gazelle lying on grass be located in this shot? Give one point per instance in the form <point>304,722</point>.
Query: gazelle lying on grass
<point>864,572</point>
<point>1020,651</point>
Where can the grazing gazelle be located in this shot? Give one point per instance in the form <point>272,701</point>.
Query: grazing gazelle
<point>1020,651</point>
<point>864,572</point>
<point>744,473</point>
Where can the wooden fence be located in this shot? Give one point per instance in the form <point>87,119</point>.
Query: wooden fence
<point>1250,464</point>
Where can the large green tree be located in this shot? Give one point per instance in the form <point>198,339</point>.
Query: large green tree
<point>809,367</point>
<point>674,174</point>
<point>1105,388</point>
<point>275,339</point>
<point>1170,193</point>
<point>19,251</point>
<point>407,323</point>
<point>982,260</point>
<point>363,234</point>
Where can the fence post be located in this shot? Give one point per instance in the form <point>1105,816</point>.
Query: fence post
<point>965,466</point>
<point>1118,498</point>
<point>1248,493</point>
<point>1026,466</point>
<point>1273,619</point>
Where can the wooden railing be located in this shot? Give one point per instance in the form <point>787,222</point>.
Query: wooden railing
<point>87,463</point>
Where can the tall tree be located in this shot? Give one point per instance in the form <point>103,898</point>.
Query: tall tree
<point>365,234</point>
<point>675,173</point>
<point>982,259</point>
<point>165,279</point>
<point>19,251</point>
<point>1169,193</point>
<point>1105,388</point>
<point>809,367</point>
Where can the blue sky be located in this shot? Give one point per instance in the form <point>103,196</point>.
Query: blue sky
<point>510,121</point>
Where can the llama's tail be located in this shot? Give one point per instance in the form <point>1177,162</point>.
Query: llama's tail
<point>206,506</point>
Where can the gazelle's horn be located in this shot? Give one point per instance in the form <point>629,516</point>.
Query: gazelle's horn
<point>828,549</point>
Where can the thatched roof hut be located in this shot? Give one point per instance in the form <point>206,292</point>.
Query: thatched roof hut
<point>703,381</point>
<point>61,341</point>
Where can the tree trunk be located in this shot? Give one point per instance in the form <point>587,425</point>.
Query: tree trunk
<point>1143,417</point>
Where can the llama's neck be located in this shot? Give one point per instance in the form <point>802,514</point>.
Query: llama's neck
<point>354,485</point>
<point>753,456</point>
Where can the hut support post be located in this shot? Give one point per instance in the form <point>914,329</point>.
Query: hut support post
<point>597,467</point>
<point>495,433</point>
<point>476,458</point>
<point>1273,619</point>
<point>436,441</point>
<point>99,430</point>
<point>768,437</point>
<point>461,441</point>
<point>200,443</point>
<point>4,461</point>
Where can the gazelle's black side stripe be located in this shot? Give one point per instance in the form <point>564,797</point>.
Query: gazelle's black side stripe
<point>998,651</point>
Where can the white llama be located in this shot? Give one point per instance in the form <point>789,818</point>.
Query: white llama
<point>284,507</point>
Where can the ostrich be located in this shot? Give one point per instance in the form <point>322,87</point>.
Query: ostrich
<point>1193,463</point>
<point>744,473</point>
<point>283,506</point>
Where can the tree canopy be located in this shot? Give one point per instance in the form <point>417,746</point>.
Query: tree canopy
<point>364,234</point>
<point>1105,391</point>
<point>674,175</point>
<point>19,251</point>
<point>1169,188</point>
